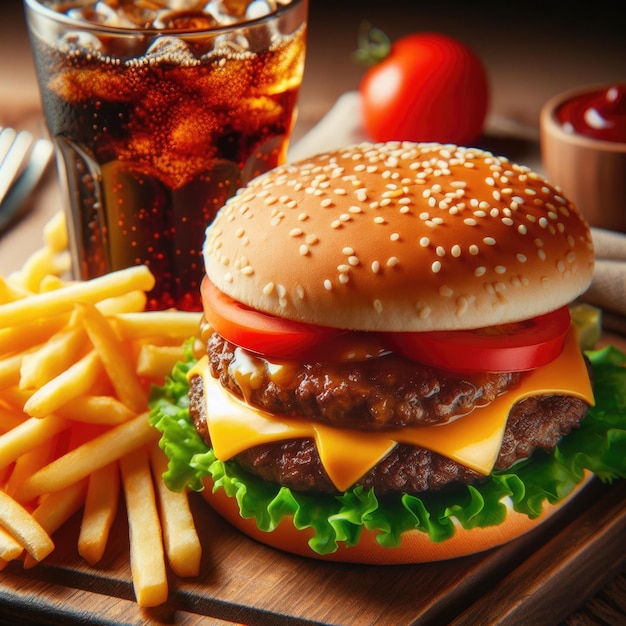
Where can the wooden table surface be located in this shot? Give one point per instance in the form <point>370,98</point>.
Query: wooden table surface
<point>531,53</point>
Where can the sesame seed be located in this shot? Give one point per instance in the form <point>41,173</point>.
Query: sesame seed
<point>446,291</point>
<point>268,289</point>
<point>522,258</point>
<point>500,269</point>
<point>303,249</point>
<point>296,232</point>
<point>470,221</point>
<point>392,261</point>
<point>394,237</point>
<point>481,270</point>
<point>436,267</point>
<point>312,239</point>
<point>379,220</point>
<point>326,202</point>
<point>328,285</point>
<point>456,250</point>
<point>248,270</point>
<point>375,267</point>
<point>378,306</point>
<point>353,260</point>
<point>344,278</point>
<point>462,306</point>
<point>424,242</point>
<point>489,241</point>
<point>440,251</point>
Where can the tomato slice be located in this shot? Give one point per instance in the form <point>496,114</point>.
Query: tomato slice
<point>258,331</point>
<point>515,347</point>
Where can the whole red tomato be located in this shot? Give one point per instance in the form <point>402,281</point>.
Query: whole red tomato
<point>429,87</point>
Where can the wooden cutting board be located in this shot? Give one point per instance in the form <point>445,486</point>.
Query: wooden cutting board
<point>538,579</point>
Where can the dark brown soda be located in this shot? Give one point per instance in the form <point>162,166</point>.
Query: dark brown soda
<point>152,146</point>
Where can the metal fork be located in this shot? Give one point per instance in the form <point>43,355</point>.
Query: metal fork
<point>23,162</point>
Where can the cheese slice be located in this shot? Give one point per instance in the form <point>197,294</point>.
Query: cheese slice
<point>473,440</point>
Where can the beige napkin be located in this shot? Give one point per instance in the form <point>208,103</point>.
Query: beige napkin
<point>342,126</point>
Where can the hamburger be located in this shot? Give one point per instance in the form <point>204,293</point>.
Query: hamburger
<point>391,372</point>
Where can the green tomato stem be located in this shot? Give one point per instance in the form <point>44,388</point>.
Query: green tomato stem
<point>373,45</point>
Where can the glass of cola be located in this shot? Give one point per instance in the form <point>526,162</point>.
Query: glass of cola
<point>160,110</point>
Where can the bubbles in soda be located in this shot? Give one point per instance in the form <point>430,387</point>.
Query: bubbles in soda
<point>156,132</point>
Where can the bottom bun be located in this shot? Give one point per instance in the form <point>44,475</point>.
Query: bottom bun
<point>416,546</point>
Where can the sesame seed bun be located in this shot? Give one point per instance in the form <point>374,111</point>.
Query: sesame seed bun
<point>401,237</point>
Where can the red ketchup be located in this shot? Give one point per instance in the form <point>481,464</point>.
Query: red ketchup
<point>597,114</point>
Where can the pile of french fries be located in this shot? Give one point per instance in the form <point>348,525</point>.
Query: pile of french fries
<point>77,360</point>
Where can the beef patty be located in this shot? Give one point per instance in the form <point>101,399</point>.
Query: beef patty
<point>534,423</point>
<point>384,392</point>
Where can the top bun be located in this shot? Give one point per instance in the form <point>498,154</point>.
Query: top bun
<point>401,237</point>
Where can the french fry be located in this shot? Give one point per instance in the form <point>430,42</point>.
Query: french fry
<point>24,527</point>
<point>27,436</point>
<point>180,537</point>
<point>10,292</point>
<point>16,398</point>
<point>21,338</point>
<point>61,300</point>
<point>41,263</point>
<point>82,461</point>
<point>55,233</point>
<point>96,410</point>
<point>10,370</point>
<point>73,382</point>
<point>55,509</point>
<point>157,361</point>
<point>10,548</point>
<point>54,357</point>
<point>130,302</point>
<point>103,492</point>
<point>147,560</point>
<point>114,358</point>
<point>9,418</point>
<point>28,463</point>
<point>178,325</point>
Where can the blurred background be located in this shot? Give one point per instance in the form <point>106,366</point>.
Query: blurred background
<point>531,50</point>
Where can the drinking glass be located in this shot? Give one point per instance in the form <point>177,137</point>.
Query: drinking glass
<point>159,111</point>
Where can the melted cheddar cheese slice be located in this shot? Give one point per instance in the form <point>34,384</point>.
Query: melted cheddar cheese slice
<point>473,440</point>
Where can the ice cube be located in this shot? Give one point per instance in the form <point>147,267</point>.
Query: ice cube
<point>259,8</point>
<point>167,49</point>
<point>185,20</point>
<point>81,40</point>
<point>107,15</point>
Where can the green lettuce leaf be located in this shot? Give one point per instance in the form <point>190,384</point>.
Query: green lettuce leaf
<point>599,445</point>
